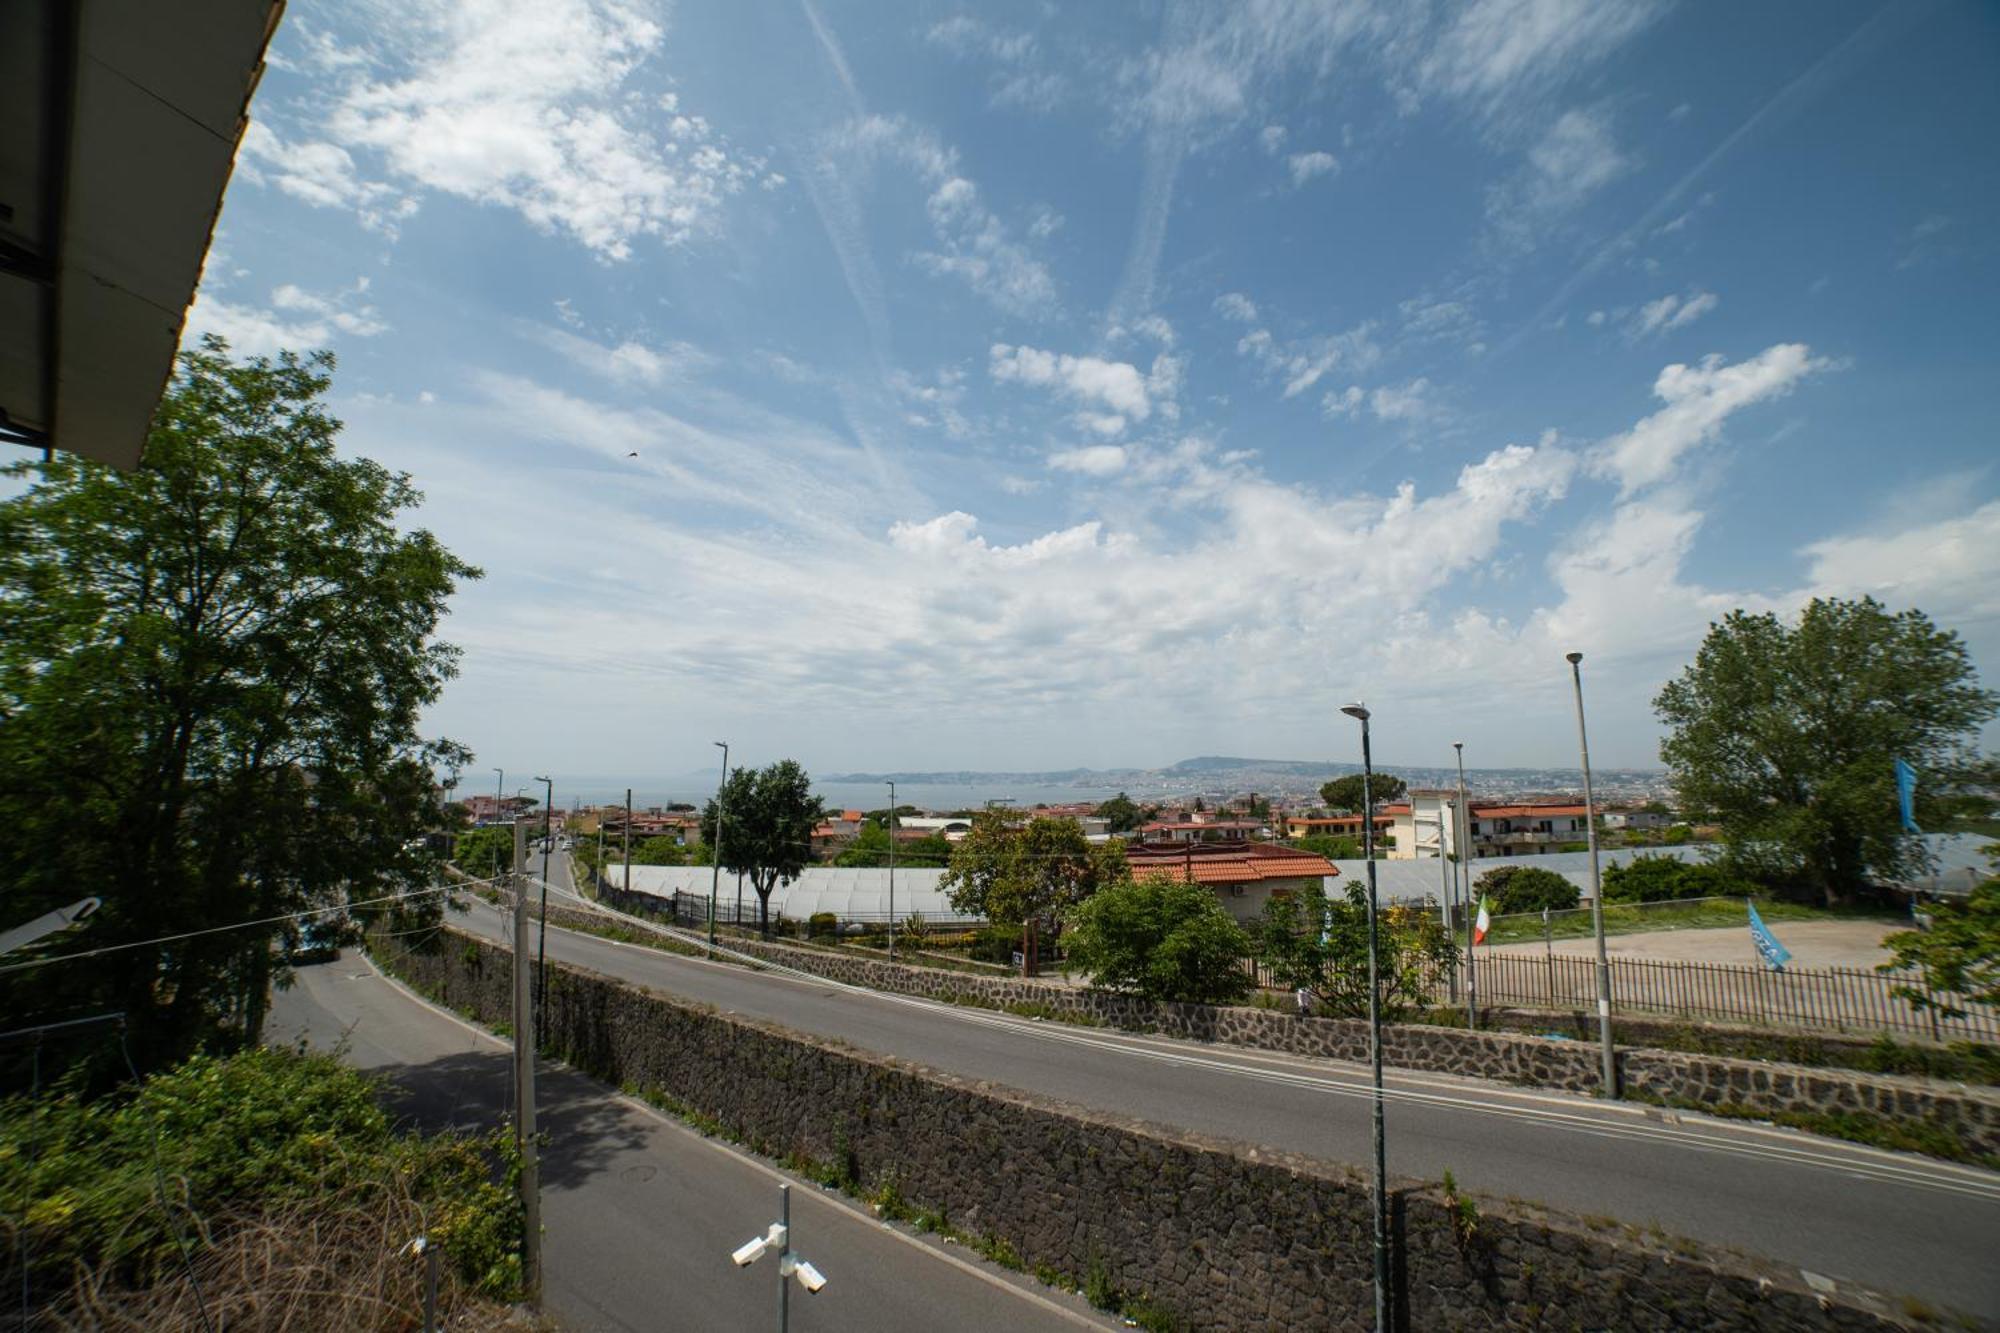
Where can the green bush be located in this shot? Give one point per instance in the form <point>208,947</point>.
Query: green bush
<point>258,1133</point>
<point>996,944</point>
<point>1160,938</point>
<point>1653,879</point>
<point>822,924</point>
<point>1527,889</point>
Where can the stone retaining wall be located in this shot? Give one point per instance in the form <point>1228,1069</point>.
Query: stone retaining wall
<point>1758,1087</point>
<point>1219,1235</point>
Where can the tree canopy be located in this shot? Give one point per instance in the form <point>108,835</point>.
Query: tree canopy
<point>1120,814</point>
<point>212,669</point>
<point>1788,735</point>
<point>767,821</point>
<point>1527,889</point>
<point>1958,956</point>
<point>1343,795</point>
<point>1015,872</point>
<point>1161,938</point>
<point>1320,945</point>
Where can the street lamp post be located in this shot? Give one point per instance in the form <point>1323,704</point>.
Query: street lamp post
<point>1381,1200</point>
<point>1465,851</point>
<point>1596,889</point>
<point>715,852</point>
<point>542,940</point>
<point>892,872</point>
<point>499,790</point>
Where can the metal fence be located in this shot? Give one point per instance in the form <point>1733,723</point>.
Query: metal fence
<point>1837,999</point>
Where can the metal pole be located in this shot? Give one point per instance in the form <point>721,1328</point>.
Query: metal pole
<point>1596,890</point>
<point>542,948</point>
<point>784,1278</point>
<point>715,852</point>
<point>1381,1199</point>
<point>892,872</point>
<point>524,1085</point>
<point>627,884</point>
<point>1466,853</point>
<point>499,795</point>
<point>1445,878</point>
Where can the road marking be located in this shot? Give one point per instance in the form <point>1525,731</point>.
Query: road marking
<point>852,1211</point>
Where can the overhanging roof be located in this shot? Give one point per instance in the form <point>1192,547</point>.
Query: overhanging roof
<point>119,121</point>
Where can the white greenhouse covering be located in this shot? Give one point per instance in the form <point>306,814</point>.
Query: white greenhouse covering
<point>850,893</point>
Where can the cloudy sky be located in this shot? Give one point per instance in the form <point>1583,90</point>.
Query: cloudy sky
<point>1021,386</point>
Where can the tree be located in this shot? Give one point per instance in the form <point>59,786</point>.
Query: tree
<point>767,828</point>
<point>1027,873</point>
<point>1654,879</point>
<point>658,851</point>
<point>1333,846</point>
<point>1528,889</point>
<point>1959,954</point>
<point>871,848</point>
<point>1160,938</point>
<point>486,851</point>
<point>1790,733</point>
<point>1120,814</point>
<point>1343,795</point>
<point>1320,946</point>
<point>212,669</point>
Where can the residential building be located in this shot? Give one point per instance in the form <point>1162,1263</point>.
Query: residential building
<point>1244,875</point>
<point>1635,821</point>
<point>1428,823</point>
<point>1339,826</point>
<point>1199,830</point>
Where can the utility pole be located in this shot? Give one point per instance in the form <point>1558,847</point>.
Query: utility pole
<point>524,1083</point>
<point>1465,892</point>
<point>1575,661</point>
<point>499,795</point>
<point>542,952</point>
<point>1359,711</point>
<point>892,872</point>
<point>1444,881</point>
<point>715,852</point>
<point>627,884</point>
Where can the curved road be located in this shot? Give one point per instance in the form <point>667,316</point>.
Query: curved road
<point>1894,1222</point>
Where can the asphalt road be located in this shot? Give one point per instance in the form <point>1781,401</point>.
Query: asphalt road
<point>640,1213</point>
<point>1894,1222</point>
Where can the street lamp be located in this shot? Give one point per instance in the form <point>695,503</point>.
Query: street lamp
<point>1575,661</point>
<point>892,872</point>
<point>1360,713</point>
<point>499,787</point>
<point>1469,849</point>
<point>542,947</point>
<point>715,852</point>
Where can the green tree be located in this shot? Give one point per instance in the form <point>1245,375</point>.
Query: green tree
<point>1343,795</point>
<point>212,669</point>
<point>1320,945</point>
<point>1654,879</point>
<point>767,828</point>
<point>1120,814</point>
<point>486,851</point>
<point>1959,954</point>
<point>1527,889</point>
<point>1027,873</point>
<point>1789,734</point>
<point>658,851</point>
<point>871,848</point>
<point>1333,846</point>
<point>1160,938</point>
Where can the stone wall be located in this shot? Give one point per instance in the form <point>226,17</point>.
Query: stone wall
<point>1758,1087</point>
<point>1219,1235</point>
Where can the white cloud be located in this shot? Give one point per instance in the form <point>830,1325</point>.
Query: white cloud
<point>627,361</point>
<point>1671,312</point>
<point>297,320</point>
<point>1410,402</point>
<point>1117,385</point>
<point>1949,566</point>
<point>1596,319</point>
<point>524,107</point>
<point>1307,166</point>
<point>1699,399</point>
<point>1272,139</point>
<point>1574,158</point>
<point>1502,53</point>
<point>1300,363</point>
<point>1016,79</point>
<point>1236,306</point>
<point>1096,460</point>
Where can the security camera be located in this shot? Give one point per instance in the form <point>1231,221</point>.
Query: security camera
<point>750,1253</point>
<point>809,1278</point>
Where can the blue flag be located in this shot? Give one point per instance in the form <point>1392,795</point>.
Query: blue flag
<point>1774,954</point>
<point>1906,795</point>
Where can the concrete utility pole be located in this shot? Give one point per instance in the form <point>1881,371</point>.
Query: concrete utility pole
<point>715,852</point>
<point>892,872</point>
<point>524,1083</point>
<point>548,840</point>
<point>627,884</point>
<point>1381,1210</point>
<point>1596,891</point>
<point>1465,856</point>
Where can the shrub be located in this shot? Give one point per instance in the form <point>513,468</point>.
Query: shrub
<point>1527,889</point>
<point>1653,879</point>
<point>1320,945</point>
<point>1159,938</point>
<point>996,944</point>
<point>822,924</point>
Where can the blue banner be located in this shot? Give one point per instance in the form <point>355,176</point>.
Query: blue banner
<point>1906,795</point>
<point>1774,954</point>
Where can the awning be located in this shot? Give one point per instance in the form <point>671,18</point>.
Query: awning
<point>119,121</point>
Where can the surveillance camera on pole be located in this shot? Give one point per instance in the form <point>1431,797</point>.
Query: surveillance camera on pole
<point>779,1238</point>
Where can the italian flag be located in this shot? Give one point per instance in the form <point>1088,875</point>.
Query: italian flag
<point>1483,924</point>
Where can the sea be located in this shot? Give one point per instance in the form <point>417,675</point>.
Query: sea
<point>942,797</point>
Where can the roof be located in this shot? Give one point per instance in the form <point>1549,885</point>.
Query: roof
<point>119,122</point>
<point>1523,811</point>
<point>1222,863</point>
<point>1204,823</point>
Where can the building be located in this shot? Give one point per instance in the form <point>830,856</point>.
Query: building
<point>1426,824</point>
<point>1244,875</point>
<point>1199,830</point>
<point>1339,826</point>
<point>1635,821</point>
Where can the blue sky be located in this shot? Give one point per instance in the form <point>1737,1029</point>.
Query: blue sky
<point>1024,386</point>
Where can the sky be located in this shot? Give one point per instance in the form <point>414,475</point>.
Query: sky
<point>931,385</point>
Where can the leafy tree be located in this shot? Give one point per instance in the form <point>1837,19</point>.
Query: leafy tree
<point>767,828</point>
<point>1527,889</point>
<point>1027,873</point>
<point>1789,733</point>
<point>1960,954</point>
<point>485,851</point>
<point>212,670</point>
<point>658,851</point>
<point>1412,949</point>
<point>871,848</point>
<point>1120,813</point>
<point>1655,879</point>
<point>1334,847</point>
<point>1343,795</point>
<point>1160,938</point>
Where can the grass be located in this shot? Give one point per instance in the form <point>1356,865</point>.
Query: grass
<point>1640,918</point>
<point>1877,1131</point>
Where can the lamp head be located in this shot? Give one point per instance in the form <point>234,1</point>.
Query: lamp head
<point>1458,745</point>
<point>1357,710</point>
<point>1572,658</point>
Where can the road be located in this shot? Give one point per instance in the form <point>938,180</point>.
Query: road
<point>1894,1222</point>
<point>640,1213</point>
